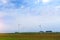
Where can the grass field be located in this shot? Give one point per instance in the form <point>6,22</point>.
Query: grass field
<point>30,36</point>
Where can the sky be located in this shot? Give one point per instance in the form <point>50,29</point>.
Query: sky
<point>29,15</point>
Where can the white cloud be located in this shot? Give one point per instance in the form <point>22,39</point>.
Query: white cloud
<point>46,1</point>
<point>57,6</point>
<point>4,1</point>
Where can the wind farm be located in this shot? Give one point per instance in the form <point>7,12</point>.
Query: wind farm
<point>41,35</point>
<point>29,19</point>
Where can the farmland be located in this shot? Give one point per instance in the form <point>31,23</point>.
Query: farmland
<point>29,36</point>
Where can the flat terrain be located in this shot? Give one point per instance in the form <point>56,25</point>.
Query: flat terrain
<point>30,36</point>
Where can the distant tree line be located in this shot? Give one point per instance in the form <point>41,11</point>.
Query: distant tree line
<point>46,31</point>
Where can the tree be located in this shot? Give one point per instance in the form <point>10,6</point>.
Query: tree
<point>48,31</point>
<point>16,32</point>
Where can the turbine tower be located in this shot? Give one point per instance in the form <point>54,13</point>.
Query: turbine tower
<point>18,27</point>
<point>40,28</point>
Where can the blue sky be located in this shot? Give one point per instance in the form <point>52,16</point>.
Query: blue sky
<point>29,14</point>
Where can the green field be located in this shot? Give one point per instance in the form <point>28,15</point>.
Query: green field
<point>30,36</point>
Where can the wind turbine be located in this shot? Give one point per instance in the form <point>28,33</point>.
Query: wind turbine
<point>18,27</point>
<point>40,28</point>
